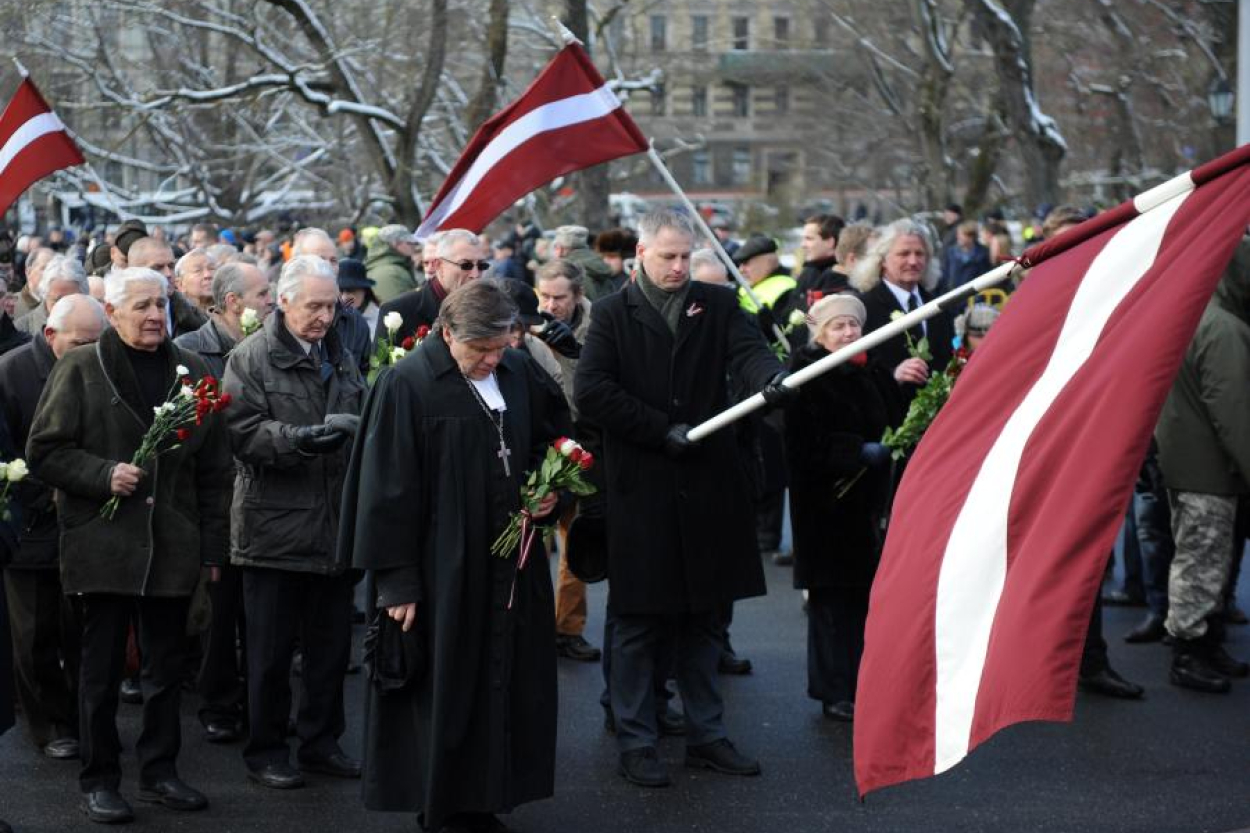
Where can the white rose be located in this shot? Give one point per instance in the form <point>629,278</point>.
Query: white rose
<point>15,470</point>
<point>567,447</point>
<point>392,321</point>
<point>896,315</point>
<point>797,318</point>
<point>248,318</point>
<point>397,353</point>
<point>181,370</point>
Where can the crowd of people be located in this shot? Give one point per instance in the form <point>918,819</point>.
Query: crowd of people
<point>319,470</point>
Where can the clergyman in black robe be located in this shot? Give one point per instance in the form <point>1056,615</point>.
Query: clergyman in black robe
<point>471,730</point>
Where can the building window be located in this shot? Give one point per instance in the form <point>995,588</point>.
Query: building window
<point>657,100</point>
<point>659,32</point>
<point>698,32</point>
<point>741,166</point>
<point>698,102</point>
<point>821,31</point>
<point>702,167</point>
<point>742,33</point>
<point>782,99</point>
<point>781,32</point>
<point>741,100</point>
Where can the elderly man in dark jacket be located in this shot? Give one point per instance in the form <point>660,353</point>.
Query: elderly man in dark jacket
<point>679,516</point>
<point>145,560</point>
<point>44,621</point>
<point>296,396</point>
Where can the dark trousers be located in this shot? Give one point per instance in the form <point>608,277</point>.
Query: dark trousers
<point>284,609</point>
<point>1131,555</point>
<point>664,661</point>
<point>221,674</point>
<point>46,651</point>
<point>1154,536</point>
<point>769,512</point>
<point>1094,653</point>
<point>162,635</point>
<point>835,642</point>
<point>637,642</point>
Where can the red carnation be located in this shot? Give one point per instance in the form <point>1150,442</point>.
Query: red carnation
<point>859,359</point>
<point>587,461</point>
<point>408,343</point>
<point>423,331</point>
<point>183,435</point>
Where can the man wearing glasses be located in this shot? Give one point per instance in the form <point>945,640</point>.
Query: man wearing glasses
<point>460,257</point>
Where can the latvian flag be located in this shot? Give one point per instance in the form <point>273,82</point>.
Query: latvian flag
<point>566,120</point>
<point>33,144</point>
<point>1007,512</point>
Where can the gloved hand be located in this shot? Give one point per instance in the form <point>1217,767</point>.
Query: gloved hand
<point>874,455</point>
<point>776,394</point>
<point>317,439</point>
<point>559,337</point>
<point>677,442</point>
<point>347,423</point>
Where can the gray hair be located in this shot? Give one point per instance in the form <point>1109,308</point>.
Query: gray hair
<point>394,233</point>
<point>220,253</point>
<point>184,262</point>
<point>297,242</point>
<point>479,309</point>
<point>867,271</point>
<point>117,284</point>
<point>571,237</point>
<point>654,221</point>
<point>64,308</point>
<point>562,268</point>
<point>448,239</point>
<point>707,257</point>
<point>64,268</point>
<point>291,279</point>
<point>231,277</point>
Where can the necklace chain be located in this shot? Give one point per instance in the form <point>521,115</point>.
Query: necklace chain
<point>496,423</point>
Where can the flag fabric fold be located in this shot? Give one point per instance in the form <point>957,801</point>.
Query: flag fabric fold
<point>33,143</point>
<point>1006,514</point>
<point>566,120</point>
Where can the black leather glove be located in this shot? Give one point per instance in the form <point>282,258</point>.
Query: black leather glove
<point>677,442</point>
<point>776,394</point>
<point>347,423</point>
<point>317,439</point>
<point>559,337</point>
<point>873,455</point>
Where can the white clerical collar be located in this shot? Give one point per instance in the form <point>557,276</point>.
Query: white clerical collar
<point>904,296</point>
<point>488,389</point>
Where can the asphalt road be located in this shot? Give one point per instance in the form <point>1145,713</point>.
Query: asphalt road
<point>1176,762</point>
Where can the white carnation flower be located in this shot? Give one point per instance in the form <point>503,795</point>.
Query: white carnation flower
<point>15,470</point>
<point>181,370</point>
<point>392,321</point>
<point>187,392</point>
<point>797,318</point>
<point>397,353</point>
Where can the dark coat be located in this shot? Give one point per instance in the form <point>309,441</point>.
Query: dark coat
<point>187,316</point>
<point>425,498</point>
<point>285,513</point>
<point>819,278</point>
<point>354,334</point>
<point>211,343</point>
<point>681,533</point>
<point>91,416</point>
<point>10,337</point>
<point>837,541</point>
<point>960,266</point>
<point>880,304</point>
<point>417,307</point>
<point>23,374</point>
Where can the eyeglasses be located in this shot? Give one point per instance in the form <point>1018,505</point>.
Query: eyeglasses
<point>469,265</point>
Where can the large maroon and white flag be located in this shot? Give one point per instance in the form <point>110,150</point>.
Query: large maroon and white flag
<point>1004,519</point>
<point>33,144</point>
<point>568,119</point>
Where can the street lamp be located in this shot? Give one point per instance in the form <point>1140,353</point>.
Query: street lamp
<point>1220,100</point>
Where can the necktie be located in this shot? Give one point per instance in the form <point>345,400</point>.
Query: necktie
<point>913,304</point>
<point>318,355</point>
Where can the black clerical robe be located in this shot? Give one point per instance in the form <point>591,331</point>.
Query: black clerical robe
<point>425,497</point>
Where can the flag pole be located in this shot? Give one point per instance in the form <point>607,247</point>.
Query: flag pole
<point>951,300</point>
<point>703,226</point>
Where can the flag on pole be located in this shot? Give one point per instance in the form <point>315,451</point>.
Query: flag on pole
<point>1007,512</point>
<point>568,119</point>
<point>33,144</point>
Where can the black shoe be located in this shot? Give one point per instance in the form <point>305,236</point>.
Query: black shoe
<point>573,646</point>
<point>107,807</point>
<point>670,721</point>
<point>642,768</point>
<point>277,776</point>
<point>222,730</point>
<point>1110,684</point>
<point>174,794</point>
<point>721,756</point>
<point>131,692</point>
<point>62,749</point>
<point>336,764</point>
<point>1119,598</point>
<point>1149,629</point>
<point>731,663</point>
<point>1226,665</point>
<point>1191,670</point>
<point>842,711</point>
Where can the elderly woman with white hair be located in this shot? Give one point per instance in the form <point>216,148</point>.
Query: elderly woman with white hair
<point>840,483</point>
<point>146,560</point>
<point>898,275</point>
<point>63,275</point>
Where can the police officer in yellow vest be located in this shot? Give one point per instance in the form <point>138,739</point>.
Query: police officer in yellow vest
<point>758,262</point>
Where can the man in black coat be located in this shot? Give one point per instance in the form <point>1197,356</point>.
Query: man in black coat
<point>820,274</point>
<point>43,620</point>
<point>461,257</point>
<point>679,515</point>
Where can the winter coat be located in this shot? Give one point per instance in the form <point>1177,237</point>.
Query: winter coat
<point>600,280</point>
<point>1204,429</point>
<point>417,308</point>
<point>211,343</point>
<point>393,273</point>
<point>91,416</point>
<point>33,322</point>
<point>681,532</point>
<point>568,366</point>
<point>285,513</point>
<point>880,304</point>
<point>960,265</point>
<point>10,337</point>
<point>187,316</point>
<point>23,374</point>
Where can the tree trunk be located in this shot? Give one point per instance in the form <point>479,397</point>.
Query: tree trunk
<point>592,184</point>
<point>934,178</point>
<point>487,97</point>
<point>989,151</point>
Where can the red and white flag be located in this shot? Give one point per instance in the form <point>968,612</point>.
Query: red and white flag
<point>1007,512</point>
<point>33,144</point>
<point>568,119</point>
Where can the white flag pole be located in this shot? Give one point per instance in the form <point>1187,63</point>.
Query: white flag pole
<point>950,300</point>
<point>703,226</point>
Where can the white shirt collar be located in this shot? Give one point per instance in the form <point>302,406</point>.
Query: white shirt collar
<point>488,389</point>
<point>903,295</point>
